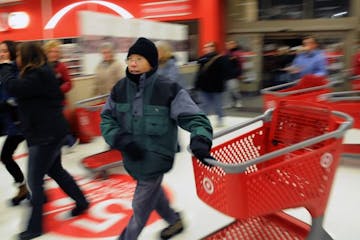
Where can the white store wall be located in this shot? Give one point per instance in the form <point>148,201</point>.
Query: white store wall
<point>96,28</point>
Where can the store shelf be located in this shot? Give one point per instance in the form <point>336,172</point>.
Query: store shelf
<point>71,57</point>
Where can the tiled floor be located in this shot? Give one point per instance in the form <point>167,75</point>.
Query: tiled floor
<point>341,221</point>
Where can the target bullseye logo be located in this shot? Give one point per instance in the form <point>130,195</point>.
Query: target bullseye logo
<point>326,160</point>
<point>208,185</point>
<point>109,212</point>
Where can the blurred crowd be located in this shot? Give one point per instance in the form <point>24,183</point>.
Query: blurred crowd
<point>33,87</point>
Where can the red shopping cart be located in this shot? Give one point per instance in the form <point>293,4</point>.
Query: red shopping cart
<point>88,117</point>
<point>307,88</point>
<point>348,102</point>
<point>287,162</point>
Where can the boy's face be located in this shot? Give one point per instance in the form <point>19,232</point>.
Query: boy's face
<point>137,64</point>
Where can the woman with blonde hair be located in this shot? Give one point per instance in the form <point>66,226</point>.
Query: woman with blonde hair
<point>40,105</point>
<point>53,54</point>
<point>52,50</point>
<point>167,62</point>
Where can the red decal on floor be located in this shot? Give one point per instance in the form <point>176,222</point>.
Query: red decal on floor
<point>108,215</point>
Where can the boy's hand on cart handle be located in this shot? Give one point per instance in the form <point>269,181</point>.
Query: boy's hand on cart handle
<point>200,147</point>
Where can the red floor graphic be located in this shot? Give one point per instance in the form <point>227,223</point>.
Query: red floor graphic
<point>109,212</point>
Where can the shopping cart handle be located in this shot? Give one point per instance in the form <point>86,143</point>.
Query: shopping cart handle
<point>242,167</point>
<point>355,77</point>
<point>91,99</point>
<point>274,89</point>
<point>340,96</point>
<point>228,167</point>
<point>265,117</point>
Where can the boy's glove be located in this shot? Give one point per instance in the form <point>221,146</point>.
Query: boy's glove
<point>135,151</point>
<point>200,147</point>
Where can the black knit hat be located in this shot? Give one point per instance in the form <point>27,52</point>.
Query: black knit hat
<point>147,49</point>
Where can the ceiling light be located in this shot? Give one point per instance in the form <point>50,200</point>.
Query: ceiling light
<point>18,20</point>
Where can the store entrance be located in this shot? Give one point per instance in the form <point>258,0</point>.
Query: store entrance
<point>278,53</point>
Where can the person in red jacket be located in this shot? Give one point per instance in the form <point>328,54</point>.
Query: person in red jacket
<point>53,54</point>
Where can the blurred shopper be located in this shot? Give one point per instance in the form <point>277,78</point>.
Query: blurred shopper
<point>213,72</point>
<point>140,119</point>
<point>283,59</point>
<point>9,124</point>
<point>108,71</point>
<point>233,84</point>
<point>53,53</point>
<point>40,104</point>
<point>311,61</point>
<point>167,63</point>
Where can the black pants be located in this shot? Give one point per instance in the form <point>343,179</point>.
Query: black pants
<point>46,159</point>
<point>9,147</point>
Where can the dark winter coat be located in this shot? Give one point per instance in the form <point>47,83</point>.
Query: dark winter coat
<point>39,102</point>
<point>9,118</point>
<point>212,78</point>
<point>148,113</point>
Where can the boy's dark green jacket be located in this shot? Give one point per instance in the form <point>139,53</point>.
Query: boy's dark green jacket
<point>148,113</point>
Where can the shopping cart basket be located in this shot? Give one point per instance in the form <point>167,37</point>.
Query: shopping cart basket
<point>287,162</point>
<point>348,102</point>
<point>305,89</point>
<point>88,117</point>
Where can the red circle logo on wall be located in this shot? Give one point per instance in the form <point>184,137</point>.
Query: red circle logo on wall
<point>109,212</point>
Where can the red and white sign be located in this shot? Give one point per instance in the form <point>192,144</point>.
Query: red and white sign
<point>170,8</point>
<point>109,212</point>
